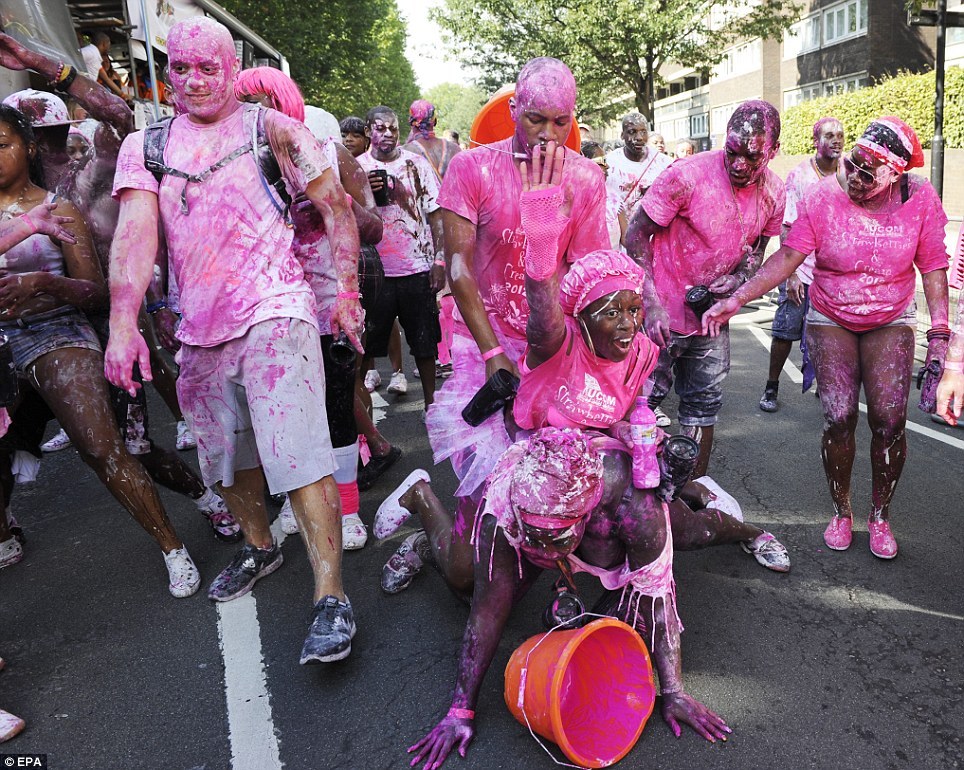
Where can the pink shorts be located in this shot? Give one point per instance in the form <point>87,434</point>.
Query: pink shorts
<point>259,400</point>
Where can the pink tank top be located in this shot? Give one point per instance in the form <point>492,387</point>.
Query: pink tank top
<point>577,389</point>
<point>37,253</point>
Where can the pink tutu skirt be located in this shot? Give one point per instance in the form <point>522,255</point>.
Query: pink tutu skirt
<point>473,451</point>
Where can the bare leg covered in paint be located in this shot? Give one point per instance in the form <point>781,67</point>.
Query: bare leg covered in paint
<point>317,508</point>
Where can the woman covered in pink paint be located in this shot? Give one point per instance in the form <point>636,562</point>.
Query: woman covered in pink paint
<point>870,225</point>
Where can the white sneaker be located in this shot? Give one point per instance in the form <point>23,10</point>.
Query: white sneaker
<point>58,442</point>
<point>289,524</point>
<point>354,535</point>
<point>184,577</point>
<point>398,384</point>
<point>662,419</point>
<point>185,439</point>
<point>390,514</point>
<point>372,380</point>
<point>724,500</point>
<point>10,726</point>
<point>10,552</point>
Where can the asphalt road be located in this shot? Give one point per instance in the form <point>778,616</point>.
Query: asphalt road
<point>846,662</point>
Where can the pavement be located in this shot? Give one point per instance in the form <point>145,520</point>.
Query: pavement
<point>845,662</point>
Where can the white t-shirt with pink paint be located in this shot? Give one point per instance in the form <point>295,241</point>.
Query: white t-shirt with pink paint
<point>707,225</point>
<point>863,276</point>
<point>232,252</point>
<point>799,180</point>
<point>628,180</point>
<point>483,185</point>
<point>406,246</point>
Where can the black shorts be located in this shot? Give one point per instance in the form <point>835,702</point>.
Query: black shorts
<point>411,300</point>
<point>339,397</point>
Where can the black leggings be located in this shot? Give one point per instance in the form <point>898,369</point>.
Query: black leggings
<point>339,397</point>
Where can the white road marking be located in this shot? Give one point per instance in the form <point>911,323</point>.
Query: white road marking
<point>251,731</point>
<point>797,376</point>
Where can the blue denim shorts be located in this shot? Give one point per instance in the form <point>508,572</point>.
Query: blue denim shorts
<point>698,365</point>
<point>788,320</point>
<point>36,335</point>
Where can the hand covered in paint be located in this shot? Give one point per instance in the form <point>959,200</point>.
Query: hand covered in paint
<point>43,220</point>
<point>18,289</point>
<point>348,316</point>
<point>725,285</point>
<point>436,278</point>
<point>500,361</point>
<point>795,290</point>
<point>438,744</point>
<point>14,56</point>
<point>165,326</point>
<point>937,350</point>
<point>680,708</point>
<point>544,209</point>
<point>950,396</point>
<point>719,315</point>
<point>656,324</point>
<point>126,347</point>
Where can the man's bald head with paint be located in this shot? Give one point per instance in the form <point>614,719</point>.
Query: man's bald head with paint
<point>543,104</point>
<point>202,66</point>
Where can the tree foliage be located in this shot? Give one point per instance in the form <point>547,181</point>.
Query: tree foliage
<point>615,48</point>
<point>346,56</point>
<point>909,97</point>
<point>455,105</point>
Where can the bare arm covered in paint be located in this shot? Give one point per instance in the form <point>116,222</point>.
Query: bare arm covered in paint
<point>39,219</point>
<point>950,392</point>
<point>935,293</point>
<point>460,259</point>
<point>437,272</point>
<point>775,271</point>
<point>639,246</point>
<point>355,181</point>
<point>131,270</point>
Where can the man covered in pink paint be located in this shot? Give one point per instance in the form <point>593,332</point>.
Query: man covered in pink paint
<point>485,244</point>
<point>423,141</point>
<point>252,381</point>
<point>828,141</point>
<point>705,223</point>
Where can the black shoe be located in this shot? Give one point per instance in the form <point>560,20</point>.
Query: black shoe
<point>249,565</point>
<point>768,401</point>
<point>331,632</point>
<point>369,474</point>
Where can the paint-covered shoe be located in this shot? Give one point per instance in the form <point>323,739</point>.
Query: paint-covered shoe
<point>289,524</point>
<point>400,570</point>
<point>398,384</point>
<point>768,401</point>
<point>376,466</point>
<point>769,552</point>
<point>215,510</point>
<point>331,632</point>
<point>354,534</point>
<point>58,442</point>
<point>183,575</point>
<point>391,514</point>
<point>372,380</point>
<point>10,552</point>
<point>10,725</point>
<point>882,542</point>
<point>14,526</point>
<point>662,419</point>
<point>249,565</point>
<point>185,439</point>
<point>839,533</point>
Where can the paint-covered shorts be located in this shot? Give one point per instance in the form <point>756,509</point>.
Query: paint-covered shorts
<point>907,318</point>
<point>36,335</point>
<point>698,365</point>
<point>788,320</point>
<point>410,299</point>
<point>259,400</point>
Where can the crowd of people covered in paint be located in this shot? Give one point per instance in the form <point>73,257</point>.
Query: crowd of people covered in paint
<point>555,297</point>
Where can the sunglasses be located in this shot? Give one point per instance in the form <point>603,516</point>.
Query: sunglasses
<point>868,176</point>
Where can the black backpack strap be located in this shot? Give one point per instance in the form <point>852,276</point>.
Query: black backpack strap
<point>270,171</point>
<point>155,140</point>
<point>904,188</point>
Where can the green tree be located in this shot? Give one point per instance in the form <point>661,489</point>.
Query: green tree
<point>456,105</point>
<point>346,56</point>
<point>615,48</point>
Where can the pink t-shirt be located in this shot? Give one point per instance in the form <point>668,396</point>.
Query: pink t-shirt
<point>483,185</point>
<point>577,389</point>
<point>232,253</point>
<point>707,225</point>
<point>406,246</point>
<point>799,180</point>
<point>863,277</point>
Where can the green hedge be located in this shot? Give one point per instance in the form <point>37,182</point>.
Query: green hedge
<point>909,97</point>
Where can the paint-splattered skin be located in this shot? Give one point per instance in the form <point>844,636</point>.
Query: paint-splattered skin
<point>628,523</point>
<point>950,392</point>
<point>437,151</point>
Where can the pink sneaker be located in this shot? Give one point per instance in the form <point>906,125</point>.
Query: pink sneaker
<point>839,533</point>
<point>882,542</point>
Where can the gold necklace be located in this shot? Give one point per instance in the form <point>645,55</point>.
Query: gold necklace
<point>745,247</point>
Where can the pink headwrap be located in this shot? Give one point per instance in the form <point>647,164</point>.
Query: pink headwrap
<point>421,113</point>
<point>892,141</point>
<point>596,275</point>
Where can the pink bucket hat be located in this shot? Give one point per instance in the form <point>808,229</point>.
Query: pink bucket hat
<point>596,275</point>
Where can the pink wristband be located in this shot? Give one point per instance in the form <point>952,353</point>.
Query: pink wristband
<point>489,354</point>
<point>461,713</point>
<point>348,295</point>
<point>954,366</point>
<point>26,218</point>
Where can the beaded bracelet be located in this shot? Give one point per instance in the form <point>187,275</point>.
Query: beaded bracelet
<point>153,307</point>
<point>954,366</point>
<point>461,713</point>
<point>65,77</point>
<point>489,354</point>
<point>938,333</point>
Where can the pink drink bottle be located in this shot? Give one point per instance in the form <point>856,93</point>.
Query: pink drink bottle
<point>645,463</point>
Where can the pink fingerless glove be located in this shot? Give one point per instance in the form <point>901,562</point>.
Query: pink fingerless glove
<point>542,224</point>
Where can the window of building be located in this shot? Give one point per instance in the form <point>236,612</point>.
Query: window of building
<point>841,85</point>
<point>802,37</point>
<point>741,60</point>
<point>844,21</point>
<point>699,125</point>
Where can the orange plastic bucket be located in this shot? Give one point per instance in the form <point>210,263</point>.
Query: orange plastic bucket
<point>589,690</point>
<point>494,123</point>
